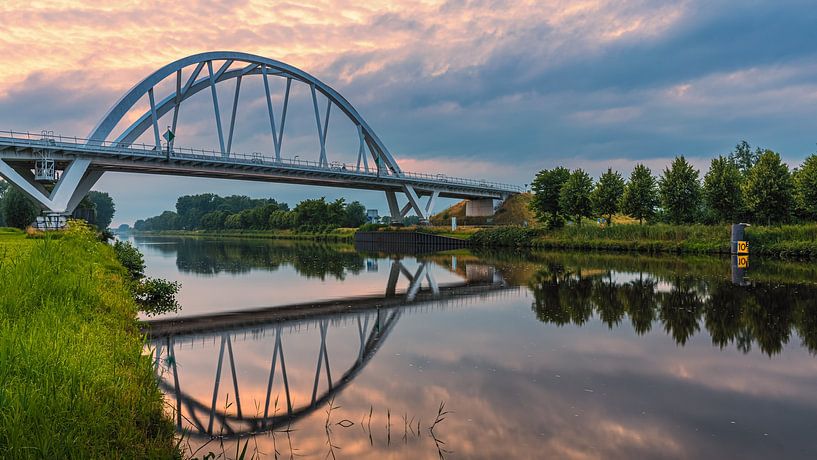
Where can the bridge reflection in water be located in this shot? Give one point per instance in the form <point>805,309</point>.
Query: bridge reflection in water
<point>350,331</point>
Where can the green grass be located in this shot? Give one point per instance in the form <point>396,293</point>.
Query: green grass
<point>797,241</point>
<point>73,381</point>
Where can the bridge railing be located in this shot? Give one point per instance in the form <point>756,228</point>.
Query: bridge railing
<point>48,140</point>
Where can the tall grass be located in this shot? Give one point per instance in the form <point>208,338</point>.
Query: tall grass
<point>784,241</point>
<point>73,381</point>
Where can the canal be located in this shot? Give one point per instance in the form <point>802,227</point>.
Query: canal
<point>306,350</point>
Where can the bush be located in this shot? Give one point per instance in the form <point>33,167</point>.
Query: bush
<point>505,236</point>
<point>130,258</point>
<point>156,296</point>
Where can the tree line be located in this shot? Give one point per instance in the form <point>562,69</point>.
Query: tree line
<point>209,211</point>
<point>745,185</point>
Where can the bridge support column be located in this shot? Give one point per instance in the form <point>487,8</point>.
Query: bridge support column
<point>394,208</point>
<point>480,208</point>
<point>414,202</point>
<point>76,181</point>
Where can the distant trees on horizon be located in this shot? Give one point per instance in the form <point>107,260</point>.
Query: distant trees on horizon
<point>209,211</point>
<point>746,185</point>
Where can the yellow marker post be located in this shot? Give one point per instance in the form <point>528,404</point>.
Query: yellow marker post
<point>743,261</point>
<point>743,247</point>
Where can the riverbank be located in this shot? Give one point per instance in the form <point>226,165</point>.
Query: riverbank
<point>73,380</point>
<point>788,241</point>
<point>339,235</point>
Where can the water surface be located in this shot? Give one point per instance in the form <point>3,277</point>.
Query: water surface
<point>322,351</point>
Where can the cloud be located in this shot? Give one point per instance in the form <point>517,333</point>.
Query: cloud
<point>518,85</point>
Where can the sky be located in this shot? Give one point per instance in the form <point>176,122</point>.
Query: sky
<point>473,88</point>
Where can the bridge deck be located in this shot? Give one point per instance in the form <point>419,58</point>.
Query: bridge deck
<point>146,159</point>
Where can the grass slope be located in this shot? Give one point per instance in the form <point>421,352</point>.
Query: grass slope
<point>513,211</point>
<point>73,381</point>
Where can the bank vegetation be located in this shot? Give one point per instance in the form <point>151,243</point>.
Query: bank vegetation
<point>73,381</point>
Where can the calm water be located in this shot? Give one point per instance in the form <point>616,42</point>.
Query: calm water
<point>320,351</point>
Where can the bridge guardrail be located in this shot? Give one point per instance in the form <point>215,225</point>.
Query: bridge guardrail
<point>52,141</point>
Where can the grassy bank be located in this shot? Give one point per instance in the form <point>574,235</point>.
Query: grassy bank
<point>340,235</point>
<point>789,241</point>
<point>73,381</point>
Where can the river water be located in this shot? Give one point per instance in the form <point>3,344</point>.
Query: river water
<point>304,350</point>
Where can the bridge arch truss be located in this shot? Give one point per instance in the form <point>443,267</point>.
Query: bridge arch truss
<point>82,161</point>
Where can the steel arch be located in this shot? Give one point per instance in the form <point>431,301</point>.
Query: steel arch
<point>256,65</point>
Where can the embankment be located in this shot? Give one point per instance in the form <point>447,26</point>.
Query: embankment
<point>73,381</point>
<point>788,241</point>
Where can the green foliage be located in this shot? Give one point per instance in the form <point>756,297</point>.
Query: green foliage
<point>213,220</point>
<point>371,227</point>
<point>233,221</point>
<point>805,186</point>
<point>411,220</point>
<point>355,215</point>
<point>680,192</point>
<point>3,187</point>
<point>574,197</point>
<point>192,208</point>
<point>768,190</point>
<point>510,236</point>
<point>214,213</point>
<point>130,258</point>
<point>743,156</point>
<point>640,194</point>
<point>317,212</point>
<point>606,197</point>
<point>721,190</point>
<point>74,381</point>
<point>282,220</point>
<point>546,187</point>
<point>156,296</point>
<point>105,208</point>
<point>17,209</point>
<point>168,220</point>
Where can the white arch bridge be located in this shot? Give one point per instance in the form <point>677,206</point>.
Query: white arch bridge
<point>58,171</point>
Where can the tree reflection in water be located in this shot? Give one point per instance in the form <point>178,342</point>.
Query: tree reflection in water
<point>211,256</point>
<point>765,314</point>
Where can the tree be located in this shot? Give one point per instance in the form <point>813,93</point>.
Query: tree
<point>355,214</point>
<point>282,219</point>
<point>547,186</point>
<point>105,208</point>
<point>3,187</point>
<point>640,194</point>
<point>606,197</point>
<point>233,221</point>
<point>168,220</point>
<point>744,157</point>
<point>574,197</point>
<point>721,189</point>
<point>17,209</point>
<point>213,220</point>
<point>680,191</point>
<point>805,186</point>
<point>768,189</point>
